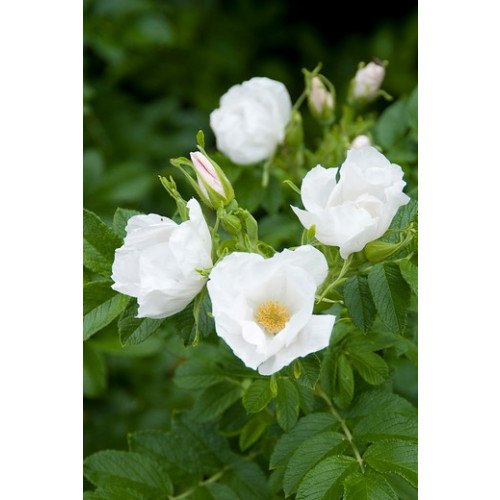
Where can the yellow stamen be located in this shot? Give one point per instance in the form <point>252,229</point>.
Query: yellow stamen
<point>272,316</point>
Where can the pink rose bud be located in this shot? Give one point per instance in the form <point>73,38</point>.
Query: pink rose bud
<point>361,141</point>
<point>320,100</point>
<point>367,81</point>
<point>214,186</point>
<point>206,173</point>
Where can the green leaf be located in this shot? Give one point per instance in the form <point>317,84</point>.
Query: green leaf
<point>405,214</point>
<point>203,313</point>
<point>344,388</point>
<point>94,372</point>
<point>134,330</point>
<point>253,430</point>
<point>114,493</point>
<point>370,366</point>
<point>101,305</point>
<point>185,324</point>
<point>198,374</point>
<point>381,426</point>
<point>128,470</point>
<point>399,457</point>
<point>247,480</point>
<point>391,295</point>
<point>359,302</point>
<point>368,486</point>
<point>287,404</point>
<point>306,427</point>
<point>195,448</point>
<point>412,110</point>
<point>324,481</point>
<point>214,401</point>
<point>309,370</point>
<point>410,274</point>
<point>99,244</point>
<point>378,400</point>
<point>120,219</point>
<point>391,125</point>
<point>216,491</point>
<point>307,455</point>
<point>257,396</point>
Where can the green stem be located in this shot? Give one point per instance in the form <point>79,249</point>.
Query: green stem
<point>211,479</point>
<point>345,429</point>
<point>338,280</point>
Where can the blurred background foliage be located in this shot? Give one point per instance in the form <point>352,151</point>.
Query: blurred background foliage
<point>153,72</point>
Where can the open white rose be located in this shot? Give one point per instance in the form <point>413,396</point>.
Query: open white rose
<point>251,120</point>
<point>263,308</point>
<point>360,207</point>
<point>158,261</point>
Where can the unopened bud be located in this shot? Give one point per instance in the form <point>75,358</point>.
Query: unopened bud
<point>367,81</point>
<point>360,142</point>
<point>214,185</point>
<point>231,224</point>
<point>320,100</point>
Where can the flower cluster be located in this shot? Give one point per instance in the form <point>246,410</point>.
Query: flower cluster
<point>263,301</point>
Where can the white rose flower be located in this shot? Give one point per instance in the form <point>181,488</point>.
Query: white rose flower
<point>360,207</point>
<point>251,120</point>
<point>158,261</point>
<point>263,308</point>
<point>368,80</point>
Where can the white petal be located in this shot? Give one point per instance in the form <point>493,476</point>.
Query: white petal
<point>306,257</point>
<point>317,186</point>
<point>125,271</point>
<point>312,338</point>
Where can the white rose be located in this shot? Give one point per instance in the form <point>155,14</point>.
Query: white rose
<point>360,207</point>
<point>251,120</point>
<point>368,80</point>
<point>263,308</point>
<point>158,261</point>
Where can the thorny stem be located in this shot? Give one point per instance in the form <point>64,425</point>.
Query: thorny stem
<point>346,430</point>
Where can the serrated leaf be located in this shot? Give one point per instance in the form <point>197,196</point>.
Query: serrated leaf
<point>359,302</point>
<point>253,430</point>
<point>405,214</point>
<point>216,491</point>
<point>203,310</point>
<point>399,457</point>
<point>128,470</point>
<point>382,426</point>
<point>306,427</point>
<point>368,486</point>
<point>185,324</point>
<point>94,372</point>
<point>391,125</point>
<point>378,400</point>
<point>215,400</point>
<point>287,404</point>
<point>324,481</point>
<point>198,374</point>
<point>391,295</point>
<point>410,274</point>
<point>309,370</point>
<point>306,398</point>
<point>120,219</point>
<point>114,493</point>
<point>134,330</point>
<point>370,366</point>
<point>247,480</point>
<point>307,455</point>
<point>99,244</point>
<point>344,387</point>
<point>101,305</point>
<point>257,396</point>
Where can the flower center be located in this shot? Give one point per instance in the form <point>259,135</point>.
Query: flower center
<point>272,316</point>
